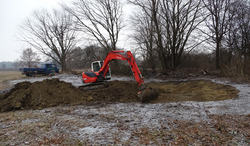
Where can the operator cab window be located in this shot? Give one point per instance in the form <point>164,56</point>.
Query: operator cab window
<point>96,66</point>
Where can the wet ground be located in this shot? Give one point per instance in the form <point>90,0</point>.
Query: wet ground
<point>221,122</point>
<point>54,92</point>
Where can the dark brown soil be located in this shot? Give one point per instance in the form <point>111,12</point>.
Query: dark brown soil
<point>117,91</point>
<point>49,93</point>
<point>40,95</point>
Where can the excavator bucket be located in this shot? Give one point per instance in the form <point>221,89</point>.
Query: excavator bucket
<point>147,93</point>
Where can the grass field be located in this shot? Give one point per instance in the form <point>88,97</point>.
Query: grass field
<point>6,76</point>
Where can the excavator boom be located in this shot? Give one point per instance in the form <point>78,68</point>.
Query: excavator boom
<point>122,55</point>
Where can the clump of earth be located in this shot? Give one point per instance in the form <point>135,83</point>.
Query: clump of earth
<point>53,92</point>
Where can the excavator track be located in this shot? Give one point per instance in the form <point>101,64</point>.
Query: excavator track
<point>92,86</point>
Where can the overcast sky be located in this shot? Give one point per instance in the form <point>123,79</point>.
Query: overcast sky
<point>14,12</point>
<point>12,15</point>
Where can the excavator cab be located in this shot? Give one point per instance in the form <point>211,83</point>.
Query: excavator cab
<point>97,65</point>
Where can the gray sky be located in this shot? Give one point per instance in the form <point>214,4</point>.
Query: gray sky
<point>14,12</point>
<point>12,15</point>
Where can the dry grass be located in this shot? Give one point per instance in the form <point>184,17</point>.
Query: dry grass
<point>6,76</point>
<point>200,90</point>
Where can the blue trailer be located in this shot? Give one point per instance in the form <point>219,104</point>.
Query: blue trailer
<point>45,69</point>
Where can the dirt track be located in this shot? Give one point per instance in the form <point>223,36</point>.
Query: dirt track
<point>190,122</point>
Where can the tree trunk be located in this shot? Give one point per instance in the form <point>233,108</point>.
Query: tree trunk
<point>63,65</point>
<point>217,55</point>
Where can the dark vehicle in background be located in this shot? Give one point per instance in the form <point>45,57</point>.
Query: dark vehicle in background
<point>45,69</point>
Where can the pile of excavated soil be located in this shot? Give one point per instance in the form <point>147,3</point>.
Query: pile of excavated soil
<point>49,93</point>
<point>40,95</point>
<point>117,91</point>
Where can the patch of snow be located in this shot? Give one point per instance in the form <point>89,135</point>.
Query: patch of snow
<point>30,121</point>
<point>91,130</point>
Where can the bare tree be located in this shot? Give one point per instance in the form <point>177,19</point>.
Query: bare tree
<point>180,20</point>
<point>151,11</point>
<point>80,58</point>
<point>238,37</point>
<point>75,59</point>
<point>218,23</point>
<point>144,34</point>
<point>53,34</point>
<point>28,58</point>
<point>173,23</point>
<point>99,19</point>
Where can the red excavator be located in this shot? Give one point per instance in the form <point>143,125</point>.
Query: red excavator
<point>145,93</point>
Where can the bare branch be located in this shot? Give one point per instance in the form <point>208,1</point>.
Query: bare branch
<point>53,34</point>
<point>101,19</point>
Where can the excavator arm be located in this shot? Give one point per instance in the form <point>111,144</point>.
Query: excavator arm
<point>122,55</point>
<point>89,77</point>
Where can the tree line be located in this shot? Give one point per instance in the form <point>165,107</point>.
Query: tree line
<point>165,32</point>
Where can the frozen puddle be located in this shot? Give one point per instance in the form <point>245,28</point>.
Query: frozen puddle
<point>239,106</point>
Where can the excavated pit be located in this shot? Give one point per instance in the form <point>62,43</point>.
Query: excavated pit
<point>53,92</point>
<point>197,90</point>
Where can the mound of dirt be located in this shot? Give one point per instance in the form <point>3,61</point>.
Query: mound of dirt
<point>117,91</point>
<point>40,95</point>
<point>53,92</point>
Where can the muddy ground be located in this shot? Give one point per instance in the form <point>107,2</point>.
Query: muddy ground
<point>192,111</point>
<point>53,92</point>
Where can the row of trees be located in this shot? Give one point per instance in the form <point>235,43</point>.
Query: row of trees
<point>56,33</point>
<point>229,29</point>
<point>165,31</point>
<point>78,58</point>
<point>166,28</point>
<point>169,30</point>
